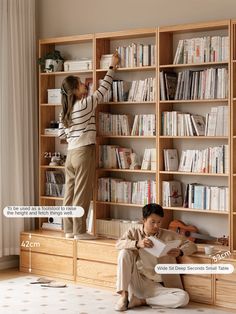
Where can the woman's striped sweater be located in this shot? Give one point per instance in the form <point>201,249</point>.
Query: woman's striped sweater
<point>82,130</point>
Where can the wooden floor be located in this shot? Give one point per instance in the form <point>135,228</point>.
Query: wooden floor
<point>11,273</point>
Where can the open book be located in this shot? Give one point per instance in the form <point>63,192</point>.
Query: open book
<point>161,248</point>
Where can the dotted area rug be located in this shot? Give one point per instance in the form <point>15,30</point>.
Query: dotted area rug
<point>17,295</point>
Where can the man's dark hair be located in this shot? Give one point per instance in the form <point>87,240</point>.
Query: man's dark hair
<point>152,208</point>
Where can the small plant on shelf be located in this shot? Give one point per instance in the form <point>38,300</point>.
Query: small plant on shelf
<point>51,62</point>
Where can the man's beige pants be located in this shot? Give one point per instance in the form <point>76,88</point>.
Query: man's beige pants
<point>131,280</point>
<point>80,174</point>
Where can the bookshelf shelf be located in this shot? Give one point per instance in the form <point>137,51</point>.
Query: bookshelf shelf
<point>127,170</point>
<point>197,210</point>
<point>128,136</point>
<point>50,105</point>
<point>43,135</point>
<point>119,204</point>
<point>195,137</point>
<point>52,167</point>
<point>144,68</point>
<point>204,64</point>
<point>63,73</point>
<point>194,101</point>
<point>51,198</point>
<point>129,103</point>
<point>194,174</point>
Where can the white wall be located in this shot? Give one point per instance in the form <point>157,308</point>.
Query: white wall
<point>71,17</point>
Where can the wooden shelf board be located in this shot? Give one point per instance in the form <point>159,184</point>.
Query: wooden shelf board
<point>51,198</point>
<point>66,73</point>
<point>144,68</point>
<point>43,135</point>
<point>195,137</point>
<point>54,167</point>
<point>126,170</point>
<point>127,136</point>
<point>129,102</point>
<point>50,105</point>
<point>196,27</point>
<point>197,210</point>
<point>67,40</point>
<point>193,101</point>
<point>194,173</point>
<point>119,204</point>
<point>185,65</point>
<point>132,33</point>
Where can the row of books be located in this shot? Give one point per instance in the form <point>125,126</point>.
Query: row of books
<point>209,160</point>
<point>143,90</point>
<point>137,55</point>
<point>55,176</point>
<point>149,159</point>
<point>196,196</point>
<point>210,83</point>
<point>117,124</point>
<point>54,189</point>
<point>114,157</point>
<point>140,90</point>
<point>175,123</point>
<point>202,49</point>
<point>120,191</point>
<point>144,125</point>
<point>115,228</point>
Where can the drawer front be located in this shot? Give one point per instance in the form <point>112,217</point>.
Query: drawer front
<point>225,294</point>
<point>199,288</point>
<point>48,245</point>
<point>230,277</point>
<point>197,260</point>
<point>50,265</point>
<point>97,273</point>
<point>97,252</point>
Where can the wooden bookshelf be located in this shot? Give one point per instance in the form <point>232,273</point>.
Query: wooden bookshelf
<point>73,47</point>
<point>233,136</point>
<point>168,39</point>
<point>105,44</point>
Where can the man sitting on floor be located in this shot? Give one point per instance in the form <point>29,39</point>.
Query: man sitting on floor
<point>136,274</point>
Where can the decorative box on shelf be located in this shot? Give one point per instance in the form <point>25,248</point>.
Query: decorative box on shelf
<point>105,61</point>
<point>54,96</point>
<point>78,65</point>
<point>114,228</point>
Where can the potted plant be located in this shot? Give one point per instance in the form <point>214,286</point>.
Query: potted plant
<point>51,62</point>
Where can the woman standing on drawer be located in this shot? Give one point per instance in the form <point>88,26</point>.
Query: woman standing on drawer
<point>77,125</point>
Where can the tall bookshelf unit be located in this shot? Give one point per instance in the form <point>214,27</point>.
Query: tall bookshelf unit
<point>71,48</point>
<point>233,134</point>
<point>214,222</point>
<point>106,43</point>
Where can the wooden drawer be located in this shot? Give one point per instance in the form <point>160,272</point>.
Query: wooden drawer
<point>230,277</point>
<point>96,251</point>
<point>96,273</point>
<point>199,288</point>
<point>225,294</point>
<point>48,265</point>
<point>196,260</point>
<point>49,245</point>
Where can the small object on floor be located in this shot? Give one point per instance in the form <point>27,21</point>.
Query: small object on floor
<point>54,284</point>
<point>122,304</point>
<point>42,280</point>
<point>134,302</point>
<point>69,235</point>
<point>84,236</point>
